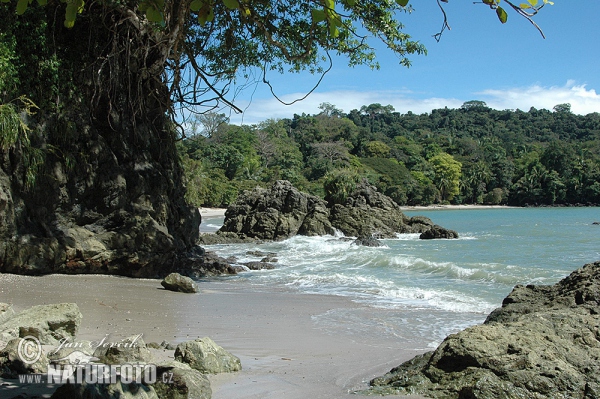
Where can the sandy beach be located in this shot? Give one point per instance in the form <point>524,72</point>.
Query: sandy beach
<point>218,212</point>
<point>284,352</point>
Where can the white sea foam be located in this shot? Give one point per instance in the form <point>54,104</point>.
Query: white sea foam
<point>430,288</point>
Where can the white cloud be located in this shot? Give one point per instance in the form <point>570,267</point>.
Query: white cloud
<point>346,100</point>
<point>582,100</point>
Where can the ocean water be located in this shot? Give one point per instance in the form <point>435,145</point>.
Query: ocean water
<point>422,290</point>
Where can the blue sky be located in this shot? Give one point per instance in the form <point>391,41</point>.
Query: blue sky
<point>509,66</point>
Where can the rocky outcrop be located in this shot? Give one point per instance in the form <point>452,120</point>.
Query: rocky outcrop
<point>259,265</point>
<point>48,323</point>
<point>178,283</point>
<point>370,213</point>
<point>98,186</point>
<point>544,342</point>
<point>276,214</point>
<point>206,356</point>
<point>437,232</point>
<point>282,212</point>
<point>367,242</point>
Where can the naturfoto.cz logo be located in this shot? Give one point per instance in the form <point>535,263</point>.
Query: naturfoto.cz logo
<point>79,367</point>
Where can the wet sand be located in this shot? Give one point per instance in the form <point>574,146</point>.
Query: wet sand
<point>284,352</point>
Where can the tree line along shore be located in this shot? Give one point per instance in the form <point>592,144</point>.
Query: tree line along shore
<point>470,155</point>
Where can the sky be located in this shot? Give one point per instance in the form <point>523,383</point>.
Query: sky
<point>508,66</point>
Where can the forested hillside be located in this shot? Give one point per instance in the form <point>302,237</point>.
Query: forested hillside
<point>470,155</point>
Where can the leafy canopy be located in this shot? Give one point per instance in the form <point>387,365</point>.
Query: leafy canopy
<point>206,45</point>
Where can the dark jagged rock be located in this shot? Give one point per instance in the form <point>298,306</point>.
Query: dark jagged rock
<point>419,224</point>
<point>226,238</point>
<point>178,283</point>
<point>368,212</point>
<point>368,242</point>
<point>544,342</point>
<point>260,254</point>
<point>259,265</point>
<point>199,263</point>
<point>119,211</point>
<point>436,232</point>
<point>276,213</point>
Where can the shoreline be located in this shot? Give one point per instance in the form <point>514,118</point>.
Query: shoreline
<point>436,207</point>
<point>212,212</point>
<point>220,212</point>
<point>283,349</point>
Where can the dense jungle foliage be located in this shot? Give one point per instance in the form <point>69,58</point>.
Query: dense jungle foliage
<point>470,155</point>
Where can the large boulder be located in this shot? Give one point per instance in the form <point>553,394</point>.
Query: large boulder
<point>544,342</point>
<point>437,232</point>
<point>180,381</point>
<point>370,213</point>
<point>127,351</point>
<point>276,213</point>
<point>206,356</point>
<point>178,283</point>
<point>48,323</point>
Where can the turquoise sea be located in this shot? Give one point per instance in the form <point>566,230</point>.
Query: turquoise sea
<point>422,290</point>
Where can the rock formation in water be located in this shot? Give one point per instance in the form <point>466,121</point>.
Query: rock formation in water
<point>276,214</point>
<point>282,212</point>
<point>437,232</point>
<point>368,212</point>
<point>544,342</point>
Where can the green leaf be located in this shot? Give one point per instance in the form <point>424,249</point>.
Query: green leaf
<point>153,14</point>
<point>350,3</point>
<point>402,3</point>
<point>42,2</point>
<point>196,5</point>
<point>317,15</point>
<point>71,13</point>
<point>22,6</point>
<point>231,4</point>
<point>502,15</point>
<point>334,31</point>
<point>336,20</point>
<point>205,17</point>
<point>524,6</point>
<point>533,2</point>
